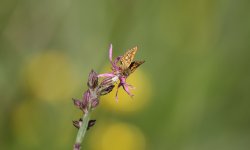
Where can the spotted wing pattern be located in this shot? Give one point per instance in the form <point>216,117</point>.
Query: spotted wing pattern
<point>127,58</point>
<point>134,65</point>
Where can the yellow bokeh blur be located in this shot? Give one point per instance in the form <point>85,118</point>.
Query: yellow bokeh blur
<point>117,136</point>
<point>35,122</point>
<point>193,92</point>
<point>24,123</point>
<point>142,94</point>
<point>50,76</point>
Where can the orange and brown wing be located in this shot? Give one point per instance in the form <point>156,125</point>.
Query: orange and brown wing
<point>128,57</point>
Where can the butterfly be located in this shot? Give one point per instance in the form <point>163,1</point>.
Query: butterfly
<point>127,64</point>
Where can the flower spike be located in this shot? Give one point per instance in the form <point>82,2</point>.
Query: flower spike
<point>122,67</point>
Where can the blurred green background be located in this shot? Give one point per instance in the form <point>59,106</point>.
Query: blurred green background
<point>192,93</point>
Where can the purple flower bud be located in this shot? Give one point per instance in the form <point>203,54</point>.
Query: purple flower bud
<point>94,103</point>
<point>93,80</point>
<point>77,103</point>
<point>107,85</point>
<point>107,81</point>
<point>86,98</point>
<point>106,90</point>
<point>77,146</point>
<point>91,124</point>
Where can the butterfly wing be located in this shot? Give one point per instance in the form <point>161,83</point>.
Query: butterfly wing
<point>128,57</point>
<point>134,65</point>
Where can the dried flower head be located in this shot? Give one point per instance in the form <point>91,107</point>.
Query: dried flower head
<point>91,124</point>
<point>93,80</point>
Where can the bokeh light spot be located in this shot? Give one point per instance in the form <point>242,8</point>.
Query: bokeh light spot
<point>117,136</point>
<point>23,119</point>
<point>50,76</point>
<point>39,125</point>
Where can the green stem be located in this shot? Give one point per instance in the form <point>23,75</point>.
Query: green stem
<point>82,130</point>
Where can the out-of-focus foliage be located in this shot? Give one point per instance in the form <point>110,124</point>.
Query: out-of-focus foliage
<point>192,92</point>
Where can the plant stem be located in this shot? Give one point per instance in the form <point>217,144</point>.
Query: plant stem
<point>82,130</point>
